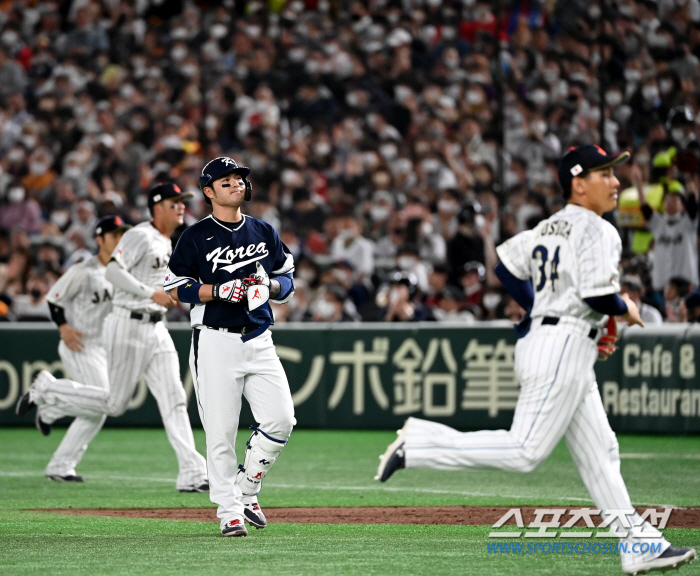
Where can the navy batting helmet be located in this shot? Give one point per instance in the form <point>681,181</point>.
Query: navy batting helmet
<point>220,167</point>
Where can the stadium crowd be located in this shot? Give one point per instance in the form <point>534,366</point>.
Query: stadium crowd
<point>372,130</point>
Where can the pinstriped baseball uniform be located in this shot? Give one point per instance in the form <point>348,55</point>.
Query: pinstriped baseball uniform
<point>571,256</point>
<point>86,296</point>
<point>135,348</point>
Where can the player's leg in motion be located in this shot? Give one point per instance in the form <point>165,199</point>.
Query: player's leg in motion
<point>270,399</point>
<point>218,361</point>
<point>548,366</point>
<point>126,343</point>
<point>596,453</point>
<point>163,379</point>
<point>89,366</point>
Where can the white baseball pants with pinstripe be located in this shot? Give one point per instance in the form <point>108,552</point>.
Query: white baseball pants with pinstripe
<point>89,366</point>
<point>558,398</point>
<point>134,349</point>
<point>223,370</point>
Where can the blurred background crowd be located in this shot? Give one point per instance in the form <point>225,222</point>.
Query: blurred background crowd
<point>393,143</point>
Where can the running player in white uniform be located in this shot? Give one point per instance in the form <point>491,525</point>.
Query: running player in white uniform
<point>565,273</point>
<point>137,342</point>
<point>227,266</point>
<point>79,303</point>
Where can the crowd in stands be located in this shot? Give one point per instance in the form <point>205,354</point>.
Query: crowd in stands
<point>373,132</point>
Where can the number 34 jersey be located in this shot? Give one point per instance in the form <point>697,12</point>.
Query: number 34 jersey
<point>572,255</point>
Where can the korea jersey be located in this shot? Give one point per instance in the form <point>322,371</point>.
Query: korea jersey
<point>213,252</point>
<point>572,255</point>
<point>85,295</point>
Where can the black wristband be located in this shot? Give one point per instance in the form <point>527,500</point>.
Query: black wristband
<point>57,315</point>
<point>215,291</point>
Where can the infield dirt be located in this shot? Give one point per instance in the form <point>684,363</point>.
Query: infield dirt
<point>449,515</point>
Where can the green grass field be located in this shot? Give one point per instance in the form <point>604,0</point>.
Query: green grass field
<point>137,469</point>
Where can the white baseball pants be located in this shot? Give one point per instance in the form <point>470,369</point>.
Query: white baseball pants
<point>89,366</point>
<point>558,398</point>
<point>223,370</point>
<point>134,349</point>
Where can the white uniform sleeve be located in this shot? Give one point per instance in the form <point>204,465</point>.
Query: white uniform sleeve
<point>516,255</point>
<point>599,257</point>
<point>125,281</point>
<point>131,248</point>
<point>67,287</point>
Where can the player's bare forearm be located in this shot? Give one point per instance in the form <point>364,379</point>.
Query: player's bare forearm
<point>275,288</point>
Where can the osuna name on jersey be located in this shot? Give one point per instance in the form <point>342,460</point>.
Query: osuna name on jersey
<point>571,256</point>
<point>215,252</point>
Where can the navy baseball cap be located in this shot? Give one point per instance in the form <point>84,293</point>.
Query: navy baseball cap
<point>110,224</point>
<point>578,162</point>
<point>218,168</point>
<point>163,191</point>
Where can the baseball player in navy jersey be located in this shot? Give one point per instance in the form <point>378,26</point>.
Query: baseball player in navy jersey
<point>228,266</point>
<point>79,303</point>
<point>136,341</point>
<point>565,274</point>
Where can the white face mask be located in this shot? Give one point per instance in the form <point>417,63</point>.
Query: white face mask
<point>650,93</point>
<point>72,172</point>
<point>322,148</point>
<point>37,168</point>
<point>15,195</point>
<point>324,309</point>
<point>633,75</point>
<point>189,70</point>
<point>474,97</point>
<point>430,165</point>
<point>60,218</point>
<point>15,155</point>
<point>379,213</point>
<point>577,77</point>
<point>613,98</point>
<point>179,53</point>
<point>29,141</point>
<point>491,301</point>
<point>218,31</point>
<point>447,206</point>
<point>388,151</point>
<point>539,97</point>
<point>306,274</point>
<point>665,85</point>
<point>405,262</point>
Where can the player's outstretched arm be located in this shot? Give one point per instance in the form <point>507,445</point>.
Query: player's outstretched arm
<point>632,317</point>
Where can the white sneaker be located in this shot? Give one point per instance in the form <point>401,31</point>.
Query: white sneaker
<point>672,558</point>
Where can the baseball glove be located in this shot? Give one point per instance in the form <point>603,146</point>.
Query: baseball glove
<point>606,344</point>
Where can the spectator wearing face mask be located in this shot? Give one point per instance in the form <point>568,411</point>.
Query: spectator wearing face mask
<point>675,236</point>
<point>448,307</point>
<point>331,306</point>
<point>41,177</point>
<point>20,211</point>
<point>632,286</point>
<point>399,299</point>
<point>408,260</point>
<point>674,295</point>
<point>350,245</point>
<point>472,281</point>
<point>32,306</point>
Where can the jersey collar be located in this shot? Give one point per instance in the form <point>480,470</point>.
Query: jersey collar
<point>227,225</point>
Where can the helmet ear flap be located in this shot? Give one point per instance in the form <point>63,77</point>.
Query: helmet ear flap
<point>248,189</point>
<point>204,180</point>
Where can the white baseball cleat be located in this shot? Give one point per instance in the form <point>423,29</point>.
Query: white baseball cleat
<point>393,459</point>
<point>671,559</point>
<point>234,527</point>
